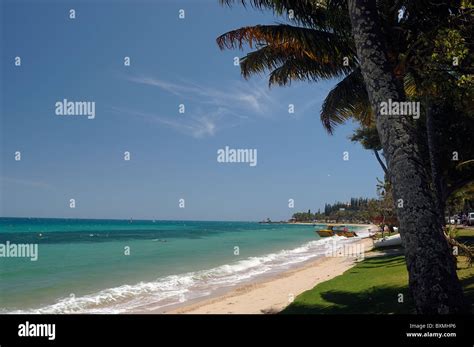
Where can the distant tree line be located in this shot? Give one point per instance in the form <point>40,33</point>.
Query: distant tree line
<point>355,204</point>
<point>357,209</point>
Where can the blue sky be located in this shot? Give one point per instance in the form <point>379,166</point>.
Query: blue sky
<point>173,155</point>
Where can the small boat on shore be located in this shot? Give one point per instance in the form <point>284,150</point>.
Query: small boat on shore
<point>388,241</point>
<point>339,230</point>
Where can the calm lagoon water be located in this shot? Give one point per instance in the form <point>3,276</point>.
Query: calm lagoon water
<point>119,266</point>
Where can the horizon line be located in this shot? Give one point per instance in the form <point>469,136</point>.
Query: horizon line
<point>146,220</point>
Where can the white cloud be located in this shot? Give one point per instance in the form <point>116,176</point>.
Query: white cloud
<point>198,125</point>
<point>239,96</point>
<point>210,109</point>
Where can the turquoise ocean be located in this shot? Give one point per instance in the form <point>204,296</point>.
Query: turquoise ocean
<point>124,266</point>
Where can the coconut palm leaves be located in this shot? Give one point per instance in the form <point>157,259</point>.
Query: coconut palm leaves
<point>327,15</point>
<point>298,53</point>
<point>317,49</point>
<point>348,99</point>
<point>290,53</point>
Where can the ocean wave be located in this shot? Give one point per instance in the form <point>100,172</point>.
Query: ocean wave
<point>175,289</point>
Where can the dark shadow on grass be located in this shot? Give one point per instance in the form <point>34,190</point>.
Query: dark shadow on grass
<point>468,285</point>
<point>468,281</point>
<point>381,261</point>
<point>377,300</point>
<point>468,240</point>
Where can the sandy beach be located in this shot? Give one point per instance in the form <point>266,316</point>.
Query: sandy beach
<point>274,294</point>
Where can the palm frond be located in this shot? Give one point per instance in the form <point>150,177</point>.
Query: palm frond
<point>310,40</point>
<point>322,14</point>
<point>306,69</point>
<point>287,63</point>
<point>348,99</point>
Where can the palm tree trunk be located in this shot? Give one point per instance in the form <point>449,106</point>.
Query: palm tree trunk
<point>433,281</point>
<point>434,162</point>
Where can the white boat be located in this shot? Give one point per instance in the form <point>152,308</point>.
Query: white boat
<point>388,241</point>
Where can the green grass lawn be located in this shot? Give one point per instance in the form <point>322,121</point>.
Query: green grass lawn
<point>372,286</point>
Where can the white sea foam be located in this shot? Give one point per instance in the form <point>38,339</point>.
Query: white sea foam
<point>176,289</point>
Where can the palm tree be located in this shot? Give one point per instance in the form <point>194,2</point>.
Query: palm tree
<point>317,48</point>
<point>311,51</point>
<point>326,35</point>
<point>432,276</point>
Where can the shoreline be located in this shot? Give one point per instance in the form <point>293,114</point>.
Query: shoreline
<point>348,224</point>
<point>268,294</point>
<point>167,293</point>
